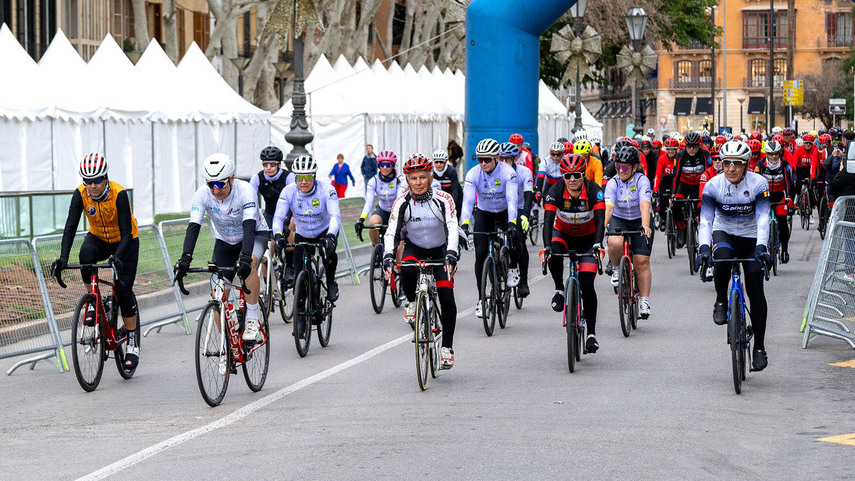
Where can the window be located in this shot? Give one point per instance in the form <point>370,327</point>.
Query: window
<point>838,29</point>
<point>831,66</point>
<point>780,71</point>
<point>182,42</point>
<point>757,72</point>
<point>705,73</point>
<point>755,29</point>
<point>201,29</point>
<point>683,71</point>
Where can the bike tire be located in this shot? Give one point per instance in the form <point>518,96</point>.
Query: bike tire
<point>396,293</point>
<point>377,280</point>
<point>635,295</point>
<point>210,348</point>
<point>422,337</point>
<point>325,325</point>
<point>571,321</point>
<point>257,357</point>
<point>504,289</point>
<point>87,345</point>
<point>303,313</point>
<point>670,235</point>
<point>737,357</point>
<point>804,210</point>
<point>823,217</point>
<point>774,247</point>
<point>286,305</point>
<point>624,300</point>
<point>265,285</point>
<point>518,301</point>
<point>534,228</point>
<point>436,338</point>
<point>691,245</point>
<point>488,296</point>
<point>119,355</point>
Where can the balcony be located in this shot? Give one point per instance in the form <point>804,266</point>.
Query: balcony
<point>762,81</point>
<point>693,45</point>
<point>838,41</point>
<point>691,83</point>
<point>763,42</point>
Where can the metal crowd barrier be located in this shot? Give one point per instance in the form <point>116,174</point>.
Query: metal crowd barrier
<point>830,309</point>
<point>27,324</point>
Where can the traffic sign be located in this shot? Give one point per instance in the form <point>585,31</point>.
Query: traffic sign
<point>793,92</point>
<point>837,106</point>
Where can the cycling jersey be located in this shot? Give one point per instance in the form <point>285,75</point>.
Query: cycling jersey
<point>780,178</point>
<point>626,197</point>
<point>689,168</point>
<point>315,213</point>
<point>386,192</point>
<point>525,184</point>
<point>227,215</point>
<point>664,173</point>
<point>496,191</point>
<point>594,169</point>
<point>419,222</point>
<point>548,175</point>
<point>755,160</point>
<point>450,182</point>
<point>526,160</point>
<point>103,216</point>
<point>269,188</point>
<point>581,216</point>
<point>706,176</point>
<point>805,162</point>
<point>737,209</point>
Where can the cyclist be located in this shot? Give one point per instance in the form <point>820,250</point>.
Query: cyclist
<point>594,169</point>
<point>518,272</point>
<point>448,179</point>
<point>599,149</point>
<point>651,159</point>
<point>494,183</point>
<point>789,142</point>
<point>550,172</point>
<point>424,219</point>
<point>779,175</point>
<point>664,180</point>
<point>756,154</point>
<point>314,205</point>
<point>735,220</point>
<point>112,236</point>
<point>805,161</point>
<point>239,229</point>
<point>691,163</point>
<point>384,186</point>
<point>573,220</point>
<point>713,170</point>
<point>269,184</point>
<point>525,157</point>
<point>628,197</point>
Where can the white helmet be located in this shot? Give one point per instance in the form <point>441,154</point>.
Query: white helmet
<point>556,147</point>
<point>580,134</point>
<point>735,149</point>
<point>487,147</point>
<point>799,142</point>
<point>218,167</point>
<point>440,155</point>
<point>651,133</point>
<point>727,136</point>
<point>776,130</point>
<point>596,140</point>
<point>93,166</point>
<point>304,164</point>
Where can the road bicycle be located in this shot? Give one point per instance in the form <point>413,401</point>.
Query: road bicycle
<point>93,339</point>
<point>220,347</point>
<point>739,332</point>
<point>627,289</point>
<point>378,282</point>
<point>670,229</point>
<point>312,307</point>
<point>273,288</point>
<point>689,216</point>
<point>804,204</point>
<point>495,292</point>
<point>824,213</point>
<point>774,236</point>
<point>573,316</point>
<point>428,328</point>
<point>534,224</point>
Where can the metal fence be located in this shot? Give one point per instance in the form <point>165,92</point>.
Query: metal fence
<point>27,325</point>
<point>30,214</point>
<point>830,309</point>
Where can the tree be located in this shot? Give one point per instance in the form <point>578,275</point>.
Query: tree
<point>818,89</point>
<point>140,24</point>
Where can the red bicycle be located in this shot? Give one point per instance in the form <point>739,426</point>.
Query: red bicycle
<point>627,290</point>
<point>93,338</point>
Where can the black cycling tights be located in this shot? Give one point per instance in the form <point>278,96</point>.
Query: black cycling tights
<point>519,258</point>
<point>330,261</point>
<point>729,247</point>
<point>485,222</point>
<point>587,272</point>
<point>409,277</point>
<point>94,250</point>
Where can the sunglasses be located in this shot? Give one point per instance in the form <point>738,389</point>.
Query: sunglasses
<point>573,176</point>
<point>732,163</point>
<point>387,165</point>
<point>94,181</point>
<point>623,167</point>
<point>270,164</point>
<point>507,158</point>
<point>485,160</point>
<point>219,184</point>
<point>304,177</point>
<point>557,156</point>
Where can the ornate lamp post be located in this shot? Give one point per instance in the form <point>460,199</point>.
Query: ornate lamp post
<point>240,63</point>
<point>281,67</point>
<point>741,127</point>
<point>577,12</point>
<point>578,48</point>
<point>636,22</point>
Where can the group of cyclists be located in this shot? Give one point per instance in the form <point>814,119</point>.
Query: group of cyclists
<point>422,213</point>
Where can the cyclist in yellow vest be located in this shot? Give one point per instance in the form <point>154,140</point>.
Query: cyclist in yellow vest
<point>594,169</point>
<point>112,236</point>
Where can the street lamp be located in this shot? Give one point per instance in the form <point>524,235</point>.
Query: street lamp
<point>240,63</point>
<point>636,22</point>
<point>281,67</point>
<point>577,12</point>
<point>741,128</point>
<point>299,135</point>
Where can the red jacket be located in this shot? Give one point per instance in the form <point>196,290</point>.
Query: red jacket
<point>803,158</point>
<point>664,168</point>
<point>705,177</point>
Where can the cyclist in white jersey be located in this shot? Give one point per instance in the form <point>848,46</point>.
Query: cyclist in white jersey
<point>384,186</point>
<point>240,232</point>
<point>495,185</point>
<point>314,205</point>
<point>518,272</point>
<point>425,220</point>
<point>550,171</point>
<point>735,222</point>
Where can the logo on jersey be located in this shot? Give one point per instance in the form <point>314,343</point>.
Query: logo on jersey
<point>600,195</point>
<point>249,205</point>
<point>91,210</point>
<point>632,189</point>
<point>315,202</point>
<point>566,204</point>
<point>391,185</point>
<point>746,193</point>
<point>498,182</point>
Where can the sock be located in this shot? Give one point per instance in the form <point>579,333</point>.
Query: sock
<point>642,299</point>
<point>252,311</point>
<point>132,338</point>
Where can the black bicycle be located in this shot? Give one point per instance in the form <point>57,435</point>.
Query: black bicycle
<point>495,292</point>
<point>312,307</point>
<point>690,219</point>
<point>378,283</point>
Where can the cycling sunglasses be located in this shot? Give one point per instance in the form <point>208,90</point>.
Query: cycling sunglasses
<point>552,154</point>
<point>270,164</point>
<point>623,167</point>
<point>94,181</point>
<point>572,175</point>
<point>304,177</point>
<point>219,184</point>
<point>485,160</point>
<point>733,163</point>
<point>386,164</point>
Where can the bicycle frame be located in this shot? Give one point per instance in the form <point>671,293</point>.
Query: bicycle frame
<point>230,316</point>
<point>100,312</point>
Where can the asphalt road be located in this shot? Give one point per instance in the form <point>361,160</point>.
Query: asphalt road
<point>659,404</point>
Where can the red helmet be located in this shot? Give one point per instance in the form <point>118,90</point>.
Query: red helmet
<point>754,145</point>
<point>778,138</point>
<point>417,162</point>
<point>516,139</point>
<point>824,139</point>
<point>789,132</point>
<point>634,143</point>
<point>568,147</point>
<point>714,152</point>
<point>572,163</point>
<point>656,143</point>
<point>720,140</point>
<point>738,137</point>
<point>808,138</point>
<point>682,144</point>
<point>756,135</point>
<point>671,142</point>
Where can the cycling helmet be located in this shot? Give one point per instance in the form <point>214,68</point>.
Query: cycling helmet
<point>304,164</point>
<point>776,130</point>
<point>656,143</point>
<point>218,166</point>
<point>705,133</point>
<point>516,139</point>
<point>714,152</point>
<point>93,166</point>
<point>572,163</point>
<point>756,135</point>
<point>582,147</point>
<point>271,153</point>
<point>738,137</point>
<point>487,148</point>
<point>728,136</point>
<point>651,133</point>
<point>416,163</point>
<point>509,148</point>
<point>693,138</point>
<point>772,147</point>
<point>778,138</point>
<point>754,145</point>
<point>735,149</point>
<point>440,155</point>
<point>561,139</point>
<point>789,132</point>
<point>526,146</point>
<point>556,147</point>
<point>808,138</point>
<point>634,143</point>
<point>835,132</point>
<point>671,143</point>
<point>682,145</point>
<point>389,156</point>
<point>581,134</point>
<point>621,143</point>
<point>645,143</point>
<point>706,139</point>
<point>824,139</point>
<point>596,140</point>
<point>628,155</point>
<point>799,142</point>
<point>568,147</point>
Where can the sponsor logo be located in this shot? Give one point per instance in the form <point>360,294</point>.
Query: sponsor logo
<point>315,202</point>
<point>600,195</point>
<point>91,210</point>
<point>746,193</point>
<point>249,205</point>
<point>498,182</point>
<point>632,189</point>
<point>566,204</point>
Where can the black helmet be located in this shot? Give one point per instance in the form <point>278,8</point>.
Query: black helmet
<point>692,138</point>
<point>561,139</point>
<point>835,132</point>
<point>628,155</point>
<point>271,153</point>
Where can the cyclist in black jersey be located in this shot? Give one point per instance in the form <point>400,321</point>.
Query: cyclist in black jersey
<point>268,183</point>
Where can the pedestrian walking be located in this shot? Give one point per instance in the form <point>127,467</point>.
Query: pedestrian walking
<point>369,166</point>
<point>339,174</point>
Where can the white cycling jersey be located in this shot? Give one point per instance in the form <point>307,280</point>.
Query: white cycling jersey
<point>314,213</point>
<point>496,191</point>
<point>386,193</point>
<point>737,209</point>
<point>227,215</point>
<point>428,224</point>
<point>525,183</point>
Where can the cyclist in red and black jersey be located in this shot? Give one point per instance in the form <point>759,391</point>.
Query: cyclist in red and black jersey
<point>574,211</point>
<point>756,155</point>
<point>780,177</point>
<point>691,163</point>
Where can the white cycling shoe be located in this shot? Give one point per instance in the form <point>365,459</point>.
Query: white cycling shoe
<point>513,277</point>
<point>478,311</point>
<point>251,331</point>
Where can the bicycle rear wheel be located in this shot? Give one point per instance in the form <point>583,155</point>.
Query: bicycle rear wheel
<point>211,351</point>
<point>804,209</point>
<point>774,247</point>
<point>822,211</point>
<point>571,321</point>
<point>302,313</point>
<point>257,356</point>
<point>691,242</point>
<point>266,280</point>
<point>436,338</point>
<point>670,236</point>
<point>635,295</point>
<point>488,296</point>
<point>534,228</point>
<point>119,354</point>
<point>518,301</point>
<point>624,298</point>
<point>422,337</point>
<point>737,355</point>
<point>325,324</point>
<point>503,288</point>
<point>395,291</point>
<point>286,304</point>
<point>87,345</point>
<point>377,279</point>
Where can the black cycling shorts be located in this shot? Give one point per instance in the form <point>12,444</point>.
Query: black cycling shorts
<point>641,246</point>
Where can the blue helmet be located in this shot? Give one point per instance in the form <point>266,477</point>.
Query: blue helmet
<point>509,149</point>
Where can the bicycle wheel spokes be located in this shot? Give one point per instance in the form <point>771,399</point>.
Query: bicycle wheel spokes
<point>669,235</point>
<point>624,298</point>
<point>436,338</point>
<point>737,357</point>
<point>87,346</point>
<point>257,357</point>
<point>212,354</point>
<point>377,280</point>
<point>422,336</point>
<point>488,296</point>
<point>302,313</point>
<point>691,244</point>
<point>265,286</point>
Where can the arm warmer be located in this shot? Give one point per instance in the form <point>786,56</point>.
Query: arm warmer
<point>190,237</point>
<point>248,236</point>
<point>123,208</point>
<point>75,209</point>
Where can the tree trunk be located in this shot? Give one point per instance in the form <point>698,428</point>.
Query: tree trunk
<point>408,29</point>
<point>140,25</point>
<point>791,38</point>
<point>170,33</point>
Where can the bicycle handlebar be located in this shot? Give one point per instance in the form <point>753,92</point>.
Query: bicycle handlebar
<point>212,269</point>
<point>423,264</point>
<point>108,265</point>
<point>573,255</point>
<point>702,271</point>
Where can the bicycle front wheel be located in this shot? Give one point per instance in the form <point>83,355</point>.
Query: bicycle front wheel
<point>265,286</point>
<point>489,295</point>
<point>774,247</point>
<point>670,235</point>
<point>571,320</point>
<point>212,355</point>
<point>625,298</point>
<point>691,242</point>
<point>257,356</point>
<point>504,289</point>
<point>518,301</point>
<point>436,338</point>
<point>87,345</point>
<point>325,324</point>
<point>534,229</point>
<point>737,356</point>
<point>422,337</point>
<point>302,313</point>
<point>377,279</point>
